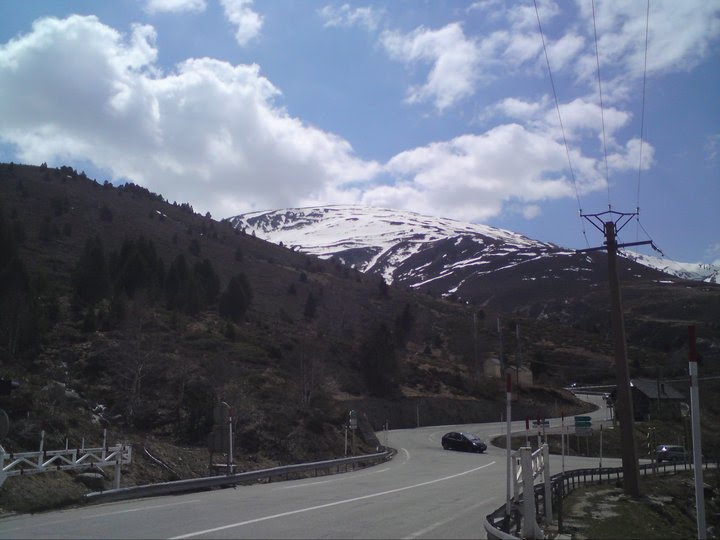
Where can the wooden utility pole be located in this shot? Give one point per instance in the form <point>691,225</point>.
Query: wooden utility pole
<point>624,405</point>
<point>518,355</point>
<point>502,354</point>
<point>696,436</point>
<point>624,410</point>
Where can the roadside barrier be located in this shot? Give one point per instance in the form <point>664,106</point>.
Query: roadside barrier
<point>26,463</point>
<point>500,526</point>
<point>330,466</point>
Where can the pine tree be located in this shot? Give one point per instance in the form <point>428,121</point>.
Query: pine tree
<point>90,277</point>
<point>236,299</point>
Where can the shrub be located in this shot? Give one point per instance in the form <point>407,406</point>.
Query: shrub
<point>106,214</point>
<point>194,247</point>
<point>378,361</point>
<point>310,306</point>
<point>236,299</point>
<point>90,277</point>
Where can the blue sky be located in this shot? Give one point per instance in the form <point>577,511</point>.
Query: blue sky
<point>443,108</point>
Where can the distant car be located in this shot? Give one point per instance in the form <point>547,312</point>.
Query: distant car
<point>466,442</point>
<point>669,452</point>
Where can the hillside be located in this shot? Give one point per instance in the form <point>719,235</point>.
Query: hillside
<point>499,270</point>
<point>124,311</point>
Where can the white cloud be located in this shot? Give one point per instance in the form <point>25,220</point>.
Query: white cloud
<point>712,252</point>
<point>531,211</point>
<point>175,6</point>
<point>522,110</point>
<point>562,51</point>
<point>454,59</point>
<point>628,157</point>
<point>522,48</point>
<point>681,35</point>
<point>345,16</point>
<point>208,132</point>
<point>472,176</point>
<point>522,17</point>
<point>247,22</point>
<point>580,116</point>
<point>712,143</point>
<point>621,33</point>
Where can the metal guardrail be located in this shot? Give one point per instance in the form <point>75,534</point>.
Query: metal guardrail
<point>193,484</point>
<point>499,526</point>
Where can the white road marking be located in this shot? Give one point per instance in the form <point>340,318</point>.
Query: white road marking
<point>155,507</point>
<point>104,514</point>
<point>350,477</point>
<point>430,528</point>
<point>328,505</point>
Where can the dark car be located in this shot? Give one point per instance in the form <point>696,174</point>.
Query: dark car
<point>466,442</point>
<point>670,452</point>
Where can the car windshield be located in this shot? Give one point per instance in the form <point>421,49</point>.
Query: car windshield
<point>471,437</point>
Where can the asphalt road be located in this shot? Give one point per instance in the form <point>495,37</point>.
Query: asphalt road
<point>424,492</point>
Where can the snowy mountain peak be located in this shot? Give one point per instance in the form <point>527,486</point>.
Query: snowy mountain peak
<point>709,273</point>
<point>468,261</point>
<point>375,240</point>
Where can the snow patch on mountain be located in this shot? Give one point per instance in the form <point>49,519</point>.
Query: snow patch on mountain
<point>709,273</point>
<point>386,237</point>
<point>422,251</point>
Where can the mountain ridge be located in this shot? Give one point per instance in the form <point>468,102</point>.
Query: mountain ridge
<point>382,240</point>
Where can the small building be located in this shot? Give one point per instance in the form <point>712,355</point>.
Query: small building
<point>492,369</point>
<point>521,376</point>
<point>653,399</point>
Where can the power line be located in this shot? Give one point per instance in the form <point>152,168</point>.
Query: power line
<point>602,114</point>
<point>642,116</point>
<point>642,123</point>
<point>562,128</point>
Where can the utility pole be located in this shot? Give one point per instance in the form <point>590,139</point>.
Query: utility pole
<point>610,223</point>
<point>475,347</point>
<point>696,437</point>
<point>502,355</point>
<point>518,355</point>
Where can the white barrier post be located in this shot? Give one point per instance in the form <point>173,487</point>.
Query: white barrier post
<point>562,442</point>
<point>528,506</point>
<point>42,446</point>
<point>118,466</point>
<point>548,487</point>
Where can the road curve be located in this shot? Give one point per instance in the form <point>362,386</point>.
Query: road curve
<point>424,492</point>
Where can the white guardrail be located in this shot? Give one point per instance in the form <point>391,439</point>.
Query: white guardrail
<point>526,466</point>
<point>22,463</point>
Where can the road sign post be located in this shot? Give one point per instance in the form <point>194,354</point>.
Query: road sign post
<point>562,441</point>
<point>583,426</point>
<point>508,440</point>
<point>353,424</point>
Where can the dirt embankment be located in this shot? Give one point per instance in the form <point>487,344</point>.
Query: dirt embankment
<point>404,412</point>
